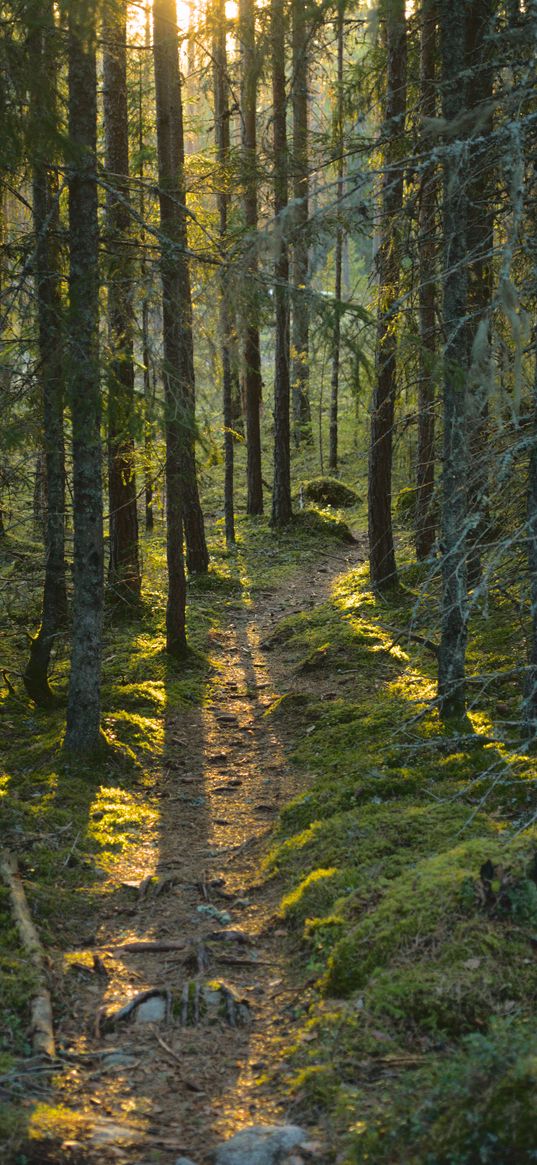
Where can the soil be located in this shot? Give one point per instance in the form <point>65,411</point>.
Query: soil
<point>146,1093</point>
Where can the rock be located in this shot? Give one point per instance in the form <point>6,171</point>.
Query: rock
<point>260,1145</point>
<point>184,1161</point>
<point>151,1011</point>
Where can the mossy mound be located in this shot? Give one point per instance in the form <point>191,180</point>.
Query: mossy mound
<point>324,522</point>
<point>414,898</point>
<point>328,491</point>
<point>476,1106</point>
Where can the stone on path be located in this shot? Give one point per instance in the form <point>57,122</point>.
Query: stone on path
<point>260,1145</point>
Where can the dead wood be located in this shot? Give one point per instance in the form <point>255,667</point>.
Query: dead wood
<point>41,1007</point>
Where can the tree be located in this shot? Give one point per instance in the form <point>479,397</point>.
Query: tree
<point>177,305</point>
<point>451,670</point>
<point>383,570</point>
<point>281,494</point>
<point>43,145</point>
<point>124,568</point>
<point>338,257</point>
<point>221,121</point>
<point>300,267</point>
<point>250,327</point>
<point>83,708</point>
<point>425,524</point>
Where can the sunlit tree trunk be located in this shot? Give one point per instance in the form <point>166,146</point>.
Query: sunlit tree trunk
<point>300,266</point>
<point>148,396</point>
<point>381,547</point>
<point>251,349</point>
<point>451,674</point>
<point>124,565</point>
<point>43,43</point>
<point>530,703</point>
<point>281,494</point>
<point>177,304</point>
<point>83,709</point>
<point>222,135</point>
<point>425,526</point>
<point>338,256</point>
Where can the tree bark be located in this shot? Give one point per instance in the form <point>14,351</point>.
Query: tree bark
<point>222,134</point>
<point>338,257</point>
<point>177,303</point>
<point>148,397</point>
<point>383,569</point>
<point>300,268</point>
<point>45,212</point>
<point>480,243</point>
<point>425,524</point>
<point>281,493</point>
<point>124,565</point>
<point>84,704</point>
<point>530,701</point>
<point>176,313</point>
<point>451,671</point>
<point>251,349</point>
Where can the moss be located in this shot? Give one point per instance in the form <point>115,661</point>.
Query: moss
<point>329,491</point>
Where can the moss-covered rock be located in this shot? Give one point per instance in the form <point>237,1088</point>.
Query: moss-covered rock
<point>328,491</point>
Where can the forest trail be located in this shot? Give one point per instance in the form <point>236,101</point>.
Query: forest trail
<point>148,1092</point>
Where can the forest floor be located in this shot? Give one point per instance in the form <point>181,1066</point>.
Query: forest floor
<point>191,875</point>
<point>343,889</point>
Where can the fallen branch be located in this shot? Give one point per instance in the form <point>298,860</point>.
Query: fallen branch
<point>157,945</point>
<point>41,1008</point>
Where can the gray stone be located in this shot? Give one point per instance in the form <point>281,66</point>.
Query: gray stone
<point>184,1161</point>
<point>151,1010</point>
<point>260,1145</point>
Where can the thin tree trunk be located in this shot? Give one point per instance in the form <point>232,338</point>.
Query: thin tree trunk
<point>281,494</point>
<point>148,398</point>
<point>251,349</point>
<point>221,118</point>
<point>451,670</point>
<point>530,702</point>
<point>84,703</point>
<point>480,243</point>
<point>381,548</point>
<point>45,209</point>
<point>300,268</point>
<point>177,303</point>
<point>338,257</point>
<point>124,565</point>
<point>425,525</point>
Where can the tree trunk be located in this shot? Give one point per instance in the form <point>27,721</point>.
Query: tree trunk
<point>451,670</point>
<point>381,548</point>
<point>251,349</point>
<point>124,566</point>
<point>300,272</point>
<point>177,303</point>
<point>45,210</point>
<point>480,244</point>
<point>281,494</point>
<point>83,709</point>
<point>425,525</point>
<point>221,119</point>
<point>338,257</point>
<point>530,703</point>
<point>149,402</point>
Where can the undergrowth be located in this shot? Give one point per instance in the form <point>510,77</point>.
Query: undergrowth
<point>410,873</point>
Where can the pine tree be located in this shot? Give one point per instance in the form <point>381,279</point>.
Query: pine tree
<point>83,709</point>
<point>43,44</point>
<point>124,567</point>
<point>281,494</point>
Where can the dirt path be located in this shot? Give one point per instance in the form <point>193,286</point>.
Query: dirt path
<point>146,1092</point>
